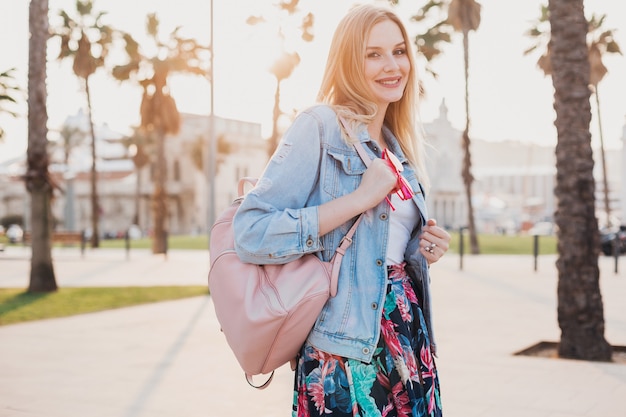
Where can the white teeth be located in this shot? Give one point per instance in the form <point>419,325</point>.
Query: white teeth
<point>389,82</point>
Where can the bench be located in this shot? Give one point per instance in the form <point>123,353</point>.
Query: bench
<point>62,237</point>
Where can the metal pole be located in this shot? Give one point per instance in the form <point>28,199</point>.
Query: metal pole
<point>461,248</point>
<point>212,142</point>
<point>535,249</point>
<point>616,250</point>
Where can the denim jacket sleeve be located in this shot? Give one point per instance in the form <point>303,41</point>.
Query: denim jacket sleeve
<point>276,223</point>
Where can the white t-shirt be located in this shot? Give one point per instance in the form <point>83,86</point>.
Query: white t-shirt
<point>401,223</point>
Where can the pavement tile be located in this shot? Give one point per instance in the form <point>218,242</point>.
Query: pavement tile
<point>169,359</point>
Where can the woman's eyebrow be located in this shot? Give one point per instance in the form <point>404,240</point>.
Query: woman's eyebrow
<point>380,47</point>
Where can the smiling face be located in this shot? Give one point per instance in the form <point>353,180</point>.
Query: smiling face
<point>387,63</point>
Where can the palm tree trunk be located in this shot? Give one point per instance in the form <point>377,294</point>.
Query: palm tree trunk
<point>95,206</point>
<point>159,199</point>
<point>466,173</point>
<point>42,278</point>
<point>580,308</point>
<point>605,181</point>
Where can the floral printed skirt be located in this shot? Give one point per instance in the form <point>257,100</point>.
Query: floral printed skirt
<point>401,380</point>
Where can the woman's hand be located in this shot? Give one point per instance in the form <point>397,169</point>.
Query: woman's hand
<point>434,241</point>
<point>378,182</point>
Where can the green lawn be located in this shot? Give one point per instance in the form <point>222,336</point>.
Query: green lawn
<point>17,305</point>
<point>198,242</point>
<point>506,245</point>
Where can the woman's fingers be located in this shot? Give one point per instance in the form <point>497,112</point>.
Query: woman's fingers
<point>434,242</point>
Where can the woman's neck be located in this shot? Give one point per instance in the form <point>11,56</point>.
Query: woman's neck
<point>375,129</point>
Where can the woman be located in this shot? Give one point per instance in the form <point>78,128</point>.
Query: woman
<point>371,350</point>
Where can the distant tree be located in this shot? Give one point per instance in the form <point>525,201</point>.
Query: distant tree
<point>8,95</point>
<point>37,178</point>
<point>69,138</point>
<point>86,40</point>
<point>540,36</point>
<point>580,308</point>
<point>159,114</point>
<point>430,43</point>
<point>464,16</point>
<point>196,151</point>
<point>287,62</point>
<point>600,41</point>
<point>139,145</point>
<point>459,16</point>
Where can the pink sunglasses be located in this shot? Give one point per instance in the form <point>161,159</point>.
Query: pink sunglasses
<point>403,188</point>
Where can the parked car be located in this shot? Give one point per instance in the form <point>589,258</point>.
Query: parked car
<point>607,239</point>
<point>15,233</point>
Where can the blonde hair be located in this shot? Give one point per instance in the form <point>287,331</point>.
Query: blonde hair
<point>344,86</point>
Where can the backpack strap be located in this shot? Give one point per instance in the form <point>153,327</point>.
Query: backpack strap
<point>356,142</point>
<point>346,241</point>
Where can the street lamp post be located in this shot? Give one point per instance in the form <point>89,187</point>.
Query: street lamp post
<point>212,142</point>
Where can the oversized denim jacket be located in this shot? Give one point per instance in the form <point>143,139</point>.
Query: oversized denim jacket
<point>278,222</point>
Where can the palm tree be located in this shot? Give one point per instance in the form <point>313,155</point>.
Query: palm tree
<point>600,41</point>
<point>431,42</point>
<point>462,16</point>
<point>197,150</point>
<point>287,62</point>
<point>138,145</point>
<point>86,40</point>
<point>8,91</point>
<point>70,137</point>
<point>281,69</point>
<point>540,35</point>
<point>580,308</point>
<point>159,114</point>
<point>37,178</point>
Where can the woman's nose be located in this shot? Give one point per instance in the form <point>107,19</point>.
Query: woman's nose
<point>390,64</point>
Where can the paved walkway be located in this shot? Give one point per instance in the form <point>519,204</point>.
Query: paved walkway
<point>169,359</point>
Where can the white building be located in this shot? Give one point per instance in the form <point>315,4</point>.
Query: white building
<point>513,181</point>
<point>513,187</point>
<point>446,198</point>
<point>124,191</point>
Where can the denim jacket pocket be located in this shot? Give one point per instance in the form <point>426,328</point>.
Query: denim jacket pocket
<point>343,169</point>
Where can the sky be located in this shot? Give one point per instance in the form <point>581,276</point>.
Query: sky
<point>510,99</point>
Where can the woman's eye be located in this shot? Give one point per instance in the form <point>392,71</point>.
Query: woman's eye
<point>399,52</point>
<point>373,55</point>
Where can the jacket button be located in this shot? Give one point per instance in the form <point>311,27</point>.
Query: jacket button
<point>379,262</point>
<point>366,351</point>
<point>383,216</point>
<point>374,306</point>
<point>309,242</point>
